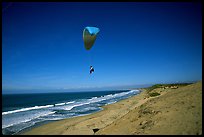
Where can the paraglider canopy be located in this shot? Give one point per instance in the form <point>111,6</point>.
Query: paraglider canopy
<point>89,36</point>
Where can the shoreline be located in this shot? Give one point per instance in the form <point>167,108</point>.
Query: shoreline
<point>38,130</point>
<point>174,111</point>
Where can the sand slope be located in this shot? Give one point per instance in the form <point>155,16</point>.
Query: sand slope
<point>175,111</point>
<point>179,111</point>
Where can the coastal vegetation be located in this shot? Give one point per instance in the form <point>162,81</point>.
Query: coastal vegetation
<point>156,89</point>
<point>167,86</point>
<point>154,94</point>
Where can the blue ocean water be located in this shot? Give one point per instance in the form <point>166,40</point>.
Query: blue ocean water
<point>22,111</point>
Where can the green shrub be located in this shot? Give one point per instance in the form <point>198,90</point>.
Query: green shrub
<point>154,94</point>
<point>164,85</point>
<point>154,87</point>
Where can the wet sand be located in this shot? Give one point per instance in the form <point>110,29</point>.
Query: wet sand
<point>175,111</point>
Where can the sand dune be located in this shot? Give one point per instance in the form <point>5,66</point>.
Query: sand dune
<point>175,111</point>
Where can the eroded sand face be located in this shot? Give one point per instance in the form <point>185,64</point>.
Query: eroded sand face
<point>175,111</point>
<point>179,111</point>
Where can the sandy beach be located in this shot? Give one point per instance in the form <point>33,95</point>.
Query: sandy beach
<point>174,111</point>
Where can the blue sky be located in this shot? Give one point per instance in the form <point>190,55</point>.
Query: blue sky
<point>138,43</point>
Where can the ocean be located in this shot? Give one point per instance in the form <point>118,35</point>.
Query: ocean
<point>24,111</point>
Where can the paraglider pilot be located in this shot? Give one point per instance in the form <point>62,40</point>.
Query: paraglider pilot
<point>91,69</point>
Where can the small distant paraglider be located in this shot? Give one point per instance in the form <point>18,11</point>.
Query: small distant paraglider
<point>89,37</point>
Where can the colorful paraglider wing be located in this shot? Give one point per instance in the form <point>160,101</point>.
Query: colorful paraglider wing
<point>89,36</point>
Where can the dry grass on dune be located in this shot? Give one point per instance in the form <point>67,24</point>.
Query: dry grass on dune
<point>178,111</point>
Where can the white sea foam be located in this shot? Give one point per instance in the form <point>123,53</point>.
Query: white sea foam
<point>17,119</point>
<point>70,102</point>
<point>111,102</point>
<point>75,105</point>
<point>99,99</point>
<point>95,99</point>
<point>26,118</point>
<point>52,118</point>
<point>59,104</point>
<point>26,109</point>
